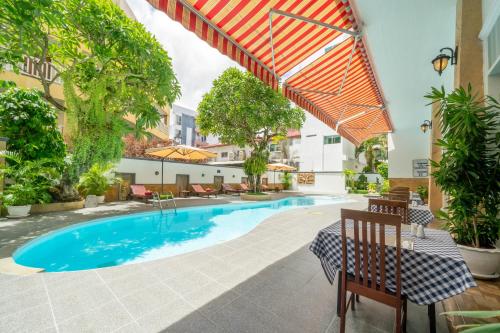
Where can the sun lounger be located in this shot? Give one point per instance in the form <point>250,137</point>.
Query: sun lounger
<point>200,191</point>
<point>226,188</point>
<point>140,192</point>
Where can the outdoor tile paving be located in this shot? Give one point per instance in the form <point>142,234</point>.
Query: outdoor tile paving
<point>248,287</point>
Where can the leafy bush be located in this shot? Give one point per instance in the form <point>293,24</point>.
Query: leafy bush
<point>97,180</point>
<point>372,187</point>
<point>423,191</point>
<point>286,180</point>
<point>359,191</point>
<point>349,178</point>
<point>383,170</point>
<point>31,181</point>
<point>367,169</point>
<point>362,182</point>
<point>30,123</point>
<point>469,167</point>
<point>385,186</point>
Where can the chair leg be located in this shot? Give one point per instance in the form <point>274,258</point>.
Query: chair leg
<point>343,296</point>
<point>357,298</point>
<point>405,307</point>
<point>398,318</point>
<point>353,300</point>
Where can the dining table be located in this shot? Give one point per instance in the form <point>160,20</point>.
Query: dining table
<point>432,268</point>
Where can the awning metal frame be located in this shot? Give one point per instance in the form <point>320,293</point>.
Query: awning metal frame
<point>351,33</point>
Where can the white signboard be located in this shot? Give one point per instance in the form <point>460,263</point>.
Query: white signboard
<point>421,168</point>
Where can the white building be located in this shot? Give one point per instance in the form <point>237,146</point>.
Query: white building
<point>321,149</point>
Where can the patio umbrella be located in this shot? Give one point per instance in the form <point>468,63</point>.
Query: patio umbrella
<point>279,167</point>
<point>179,152</point>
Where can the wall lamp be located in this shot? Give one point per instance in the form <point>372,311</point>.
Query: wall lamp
<point>427,124</point>
<point>441,61</point>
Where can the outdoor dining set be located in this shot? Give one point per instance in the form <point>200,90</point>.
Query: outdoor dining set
<point>386,254</point>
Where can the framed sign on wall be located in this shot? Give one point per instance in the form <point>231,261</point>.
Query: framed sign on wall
<point>421,168</point>
<point>305,178</point>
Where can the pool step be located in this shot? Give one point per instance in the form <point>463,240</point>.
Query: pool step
<point>10,267</point>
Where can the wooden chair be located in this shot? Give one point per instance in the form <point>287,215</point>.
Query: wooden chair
<point>228,189</point>
<point>364,280</point>
<point>399,189</point>
<point>395,207</point>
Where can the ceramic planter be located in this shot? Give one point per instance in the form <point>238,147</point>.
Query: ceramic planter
<point>483,263</point>
<point>100,199</point>
<point>18,211</point>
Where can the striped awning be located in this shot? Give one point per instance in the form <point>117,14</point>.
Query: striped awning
<point>271,38</point>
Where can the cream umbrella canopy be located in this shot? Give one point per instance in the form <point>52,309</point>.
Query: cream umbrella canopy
<point>279,167</point>
<point>179,152</point>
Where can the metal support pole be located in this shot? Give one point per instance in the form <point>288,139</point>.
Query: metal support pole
<point>162,175</point>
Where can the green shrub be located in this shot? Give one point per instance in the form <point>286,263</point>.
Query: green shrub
<point>286,180</point>
<point>385,186</point>
<point>30,123</point>
<point>362,182</point>
<point>423,191</point>
<point>383,170</point>
<point>372,187</point>
<point>97,180</point>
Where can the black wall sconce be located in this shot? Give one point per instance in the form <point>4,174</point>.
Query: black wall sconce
<point>441,61</point>
<point>234,176</point>
<point>218,171</point>
<point>203,175</point>
<point>157,173</point>
<point>427,124</point>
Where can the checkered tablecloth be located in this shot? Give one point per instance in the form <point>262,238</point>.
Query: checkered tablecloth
<point>420,215</point>
<point>416,197</point>
<point>434,270</point>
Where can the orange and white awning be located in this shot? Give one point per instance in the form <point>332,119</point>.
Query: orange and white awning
<point>271,38</point>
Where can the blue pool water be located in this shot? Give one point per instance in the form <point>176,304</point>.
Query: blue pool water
<point>147,236</point>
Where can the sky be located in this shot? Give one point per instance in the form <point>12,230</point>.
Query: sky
<point>195,63</point>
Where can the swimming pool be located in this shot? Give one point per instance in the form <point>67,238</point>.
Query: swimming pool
<point>147,236</point>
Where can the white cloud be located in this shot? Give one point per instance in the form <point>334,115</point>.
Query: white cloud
<point>196,64</point>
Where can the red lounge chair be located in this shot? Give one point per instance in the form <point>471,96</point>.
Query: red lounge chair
<point>244,187</point>
<point>226,188</point>
<point>200,191</point>
<point>140,192</point>
<point>264,187</point>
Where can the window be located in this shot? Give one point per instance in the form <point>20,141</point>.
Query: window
<point>223,154</point>
<point>331,139</point>
<point>178,134</point>
<point>273,147</point>
<point>178,120</point>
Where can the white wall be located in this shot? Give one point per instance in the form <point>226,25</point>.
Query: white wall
<point>314,155</point>
<point>328,182</point>
<point>403,37</point>
<point>145,169</point>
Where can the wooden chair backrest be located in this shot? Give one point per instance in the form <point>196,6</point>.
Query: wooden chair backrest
<point>198,188</point>
<point>365,282</point>
<point>398,196</point>
<point>399,189</point>
<point>394,207</point>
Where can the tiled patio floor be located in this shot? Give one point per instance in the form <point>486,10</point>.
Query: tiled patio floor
<point>265,281</point>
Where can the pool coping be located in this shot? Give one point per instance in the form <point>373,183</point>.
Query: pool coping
<point>10,267</point>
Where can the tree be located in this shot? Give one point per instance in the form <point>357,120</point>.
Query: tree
<point>30,123</point>
<point>375,149</point>
<point>111,66</point>
<point>241,110</point>
<point>137,147</point>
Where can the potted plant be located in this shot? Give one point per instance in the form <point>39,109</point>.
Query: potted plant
<point>468,174</point>
<point>28,182</point>
<point>423,191</point>
<point>97,180</point>
<point>286,180</point>
<point>18,199</point>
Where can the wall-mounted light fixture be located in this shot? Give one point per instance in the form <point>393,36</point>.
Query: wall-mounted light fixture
<point>218,171</point>
<point>157,173</point>
<point>441,61</point>
<point>234,176</point>
<point>427,124</point>
<point>203,175</point>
